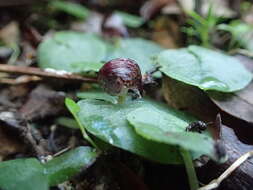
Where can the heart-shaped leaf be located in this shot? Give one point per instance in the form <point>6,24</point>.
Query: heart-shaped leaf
<point>137,49</point>
<point>67,165</point>
<point>23,174</point>
<point>159,126</point>
<point>238,104</point>
<point>109,123</point>
<point>204,68</point>
<point>72,51</point>
<point>26,174</point>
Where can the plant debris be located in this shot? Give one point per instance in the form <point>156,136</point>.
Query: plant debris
<point>148,125</point>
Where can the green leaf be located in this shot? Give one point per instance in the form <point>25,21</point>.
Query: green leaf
<point>159,126</point>
<point>137,49</point>
<point>73,9</point>
<point>241,33</point>
<point>23,174</point>
<point>130,20</point>
<point>66,166</point>
<point>72,52</point>
<point>108,122</point>
<point>74,109</point>
<point>67,122</point>
<point>26,174</point>
<point>98,96</point>
<point>72,106</point>
<point>204,68</point>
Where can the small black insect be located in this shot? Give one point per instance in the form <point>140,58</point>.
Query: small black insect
<point>197,126</point>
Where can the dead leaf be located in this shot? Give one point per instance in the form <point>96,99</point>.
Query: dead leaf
<point>152,7</point>
<point>238,104</point>
<point>188,98</point>
<point>9,144</point>
<point>242,177</point>
<point>167,32</point>
<point>18,126</point>
<point>164,39</point>
<point>10,33</point>
<point>12,98</point>
<point>43,102</point>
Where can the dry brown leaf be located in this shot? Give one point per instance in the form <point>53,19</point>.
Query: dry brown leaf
<point>43,102</point>
<point>151,7</point>
<point>242,177</point>
<point>238,104</point>
<point>10,33</point>
<point>164,39</point>
<point>9,144</point>
<point>188,98</point>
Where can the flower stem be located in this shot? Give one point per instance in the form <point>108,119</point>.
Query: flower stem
<point>192,177</point>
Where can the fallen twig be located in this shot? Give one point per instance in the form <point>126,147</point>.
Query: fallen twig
<point>216,182</point>
<point>30,135</point>
<point>45,73</point>
<point>20,80</point>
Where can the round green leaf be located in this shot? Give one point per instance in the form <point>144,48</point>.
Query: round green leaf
<point>159,126</point>
<point>23,174</point>
<point>72,51</point>
<point>26,174</point>
<point>67,165</point>
<point>204,68</point>
<point>137,49</point>
<point>108,122</point>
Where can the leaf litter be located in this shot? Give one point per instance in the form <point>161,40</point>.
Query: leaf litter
<point>40,101</point>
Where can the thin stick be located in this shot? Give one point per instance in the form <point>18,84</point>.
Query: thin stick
<point>241,51</point>
<point>215,183</point>
<point>22,70</point>
<point>20,80</point>
<point>62,151</point>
